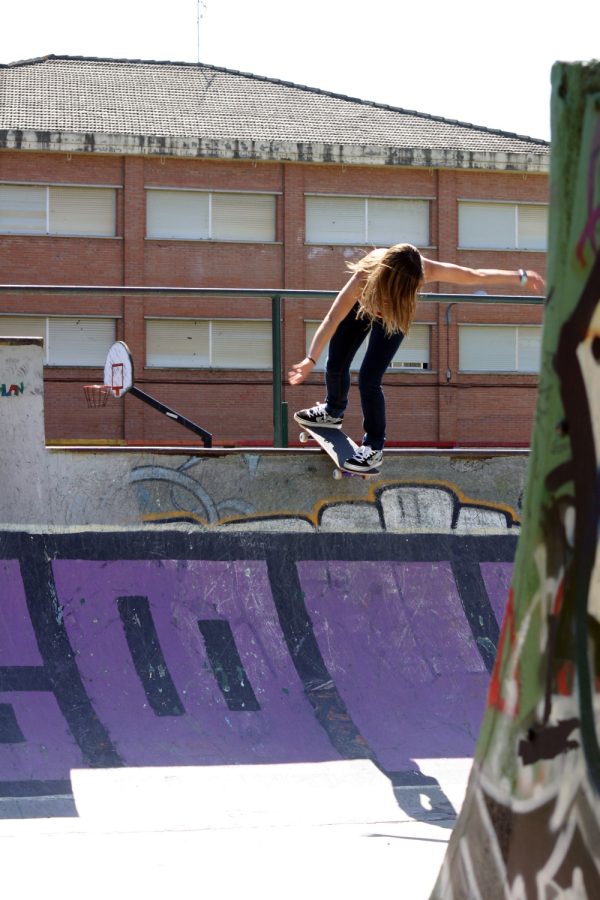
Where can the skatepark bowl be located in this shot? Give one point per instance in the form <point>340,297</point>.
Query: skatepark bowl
<point>226,667</point>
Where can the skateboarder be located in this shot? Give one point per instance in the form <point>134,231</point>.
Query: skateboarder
<point>380,300</point>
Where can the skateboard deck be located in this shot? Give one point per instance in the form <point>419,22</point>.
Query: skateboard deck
<point>338,446</point>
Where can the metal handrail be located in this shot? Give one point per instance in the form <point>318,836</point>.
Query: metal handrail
<point>140,290</point>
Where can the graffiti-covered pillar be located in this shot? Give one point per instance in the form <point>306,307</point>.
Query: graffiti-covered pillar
<point>530,824</point>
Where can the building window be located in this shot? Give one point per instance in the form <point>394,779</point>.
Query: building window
<point>57,210</point>
<point>502,226</point>
<point>207,215</point>
<point>499,348</point>
<point>68,340</point>
<point>366,220</point>
<point>209,344</point>
<point>414,351</point>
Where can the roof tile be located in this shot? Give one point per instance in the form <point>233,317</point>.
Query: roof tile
<point>179,100</point>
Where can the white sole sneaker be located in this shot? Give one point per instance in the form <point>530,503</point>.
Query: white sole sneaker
<point>320,420</point>
<point>364,461</point>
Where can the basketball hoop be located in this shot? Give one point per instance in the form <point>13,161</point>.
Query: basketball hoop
<point>96,394</point>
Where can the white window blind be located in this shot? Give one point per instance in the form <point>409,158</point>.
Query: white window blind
<point>499,348</point>
<point>398,221</point>
<point>22,326</point>
<point>82,211</point>
<point>529,348</point>
<point>177,215</point>
<point>79,341</point>
<point>486,225</point>
<point>178,343</point>
<point>205,215</point>
<point>243,217</point>
<point>335,220</point>
<point>414,351</point>
<point>240,344</point>
<point>57,210</point>
<point>22,209</point>
<point>532,227</point>
<point>69,341</point>
<point>366,220</point>
<point>209,343</point>
<point>502,226</point>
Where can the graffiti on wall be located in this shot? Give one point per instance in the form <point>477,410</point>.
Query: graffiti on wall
<point>12,390</point>
<point>162,648</point>
<point>530,826</point>
<point>180,494</point>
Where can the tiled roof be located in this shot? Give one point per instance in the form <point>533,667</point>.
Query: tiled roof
<point>62,94</point>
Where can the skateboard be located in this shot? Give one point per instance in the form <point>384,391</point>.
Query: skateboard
<point>338,446</point>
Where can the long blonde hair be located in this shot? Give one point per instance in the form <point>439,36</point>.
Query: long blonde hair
<point>392,280</point>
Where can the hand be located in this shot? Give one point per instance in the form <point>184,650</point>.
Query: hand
<point>300,371</point>
<point>535,282</point>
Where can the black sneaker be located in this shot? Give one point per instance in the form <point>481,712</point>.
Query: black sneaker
<point>317,415</point>
<point>364,459</point>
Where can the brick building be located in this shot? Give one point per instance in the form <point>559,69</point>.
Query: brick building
<point>130,173</point>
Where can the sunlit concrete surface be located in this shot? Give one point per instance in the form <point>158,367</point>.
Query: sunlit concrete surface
<point>82,857</point>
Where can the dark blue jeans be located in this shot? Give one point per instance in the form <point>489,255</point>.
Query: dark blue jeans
<point>343,347</point>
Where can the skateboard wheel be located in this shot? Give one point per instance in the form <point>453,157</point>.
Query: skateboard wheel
<point>337,474</point>
<point>303,437</point>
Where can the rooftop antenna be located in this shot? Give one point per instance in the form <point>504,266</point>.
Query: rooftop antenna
<point>201,9</point>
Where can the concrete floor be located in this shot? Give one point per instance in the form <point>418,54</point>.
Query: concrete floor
<point>97,855</point>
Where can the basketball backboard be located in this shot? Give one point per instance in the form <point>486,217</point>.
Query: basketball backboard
<point>118,369</point>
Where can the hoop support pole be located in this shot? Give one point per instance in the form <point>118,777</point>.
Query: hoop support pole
<point>187,423</point>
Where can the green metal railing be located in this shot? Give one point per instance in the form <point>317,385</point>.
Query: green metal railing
<point>280,418</point>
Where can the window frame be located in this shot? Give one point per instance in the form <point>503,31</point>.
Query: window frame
<point>366,241</point>
<point>211,192</point>
<point>516,205</point>
<point>210,320</point>
<point>392,369</point>
<point>47,337</point>
<point>48,187</point>
<point>498,325</point>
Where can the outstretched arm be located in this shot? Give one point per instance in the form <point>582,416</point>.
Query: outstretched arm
<point>453,274</point>
<point>340,308</point>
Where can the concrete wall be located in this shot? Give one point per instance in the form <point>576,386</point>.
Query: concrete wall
<point>166,648</point>
<point>54,488</point>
